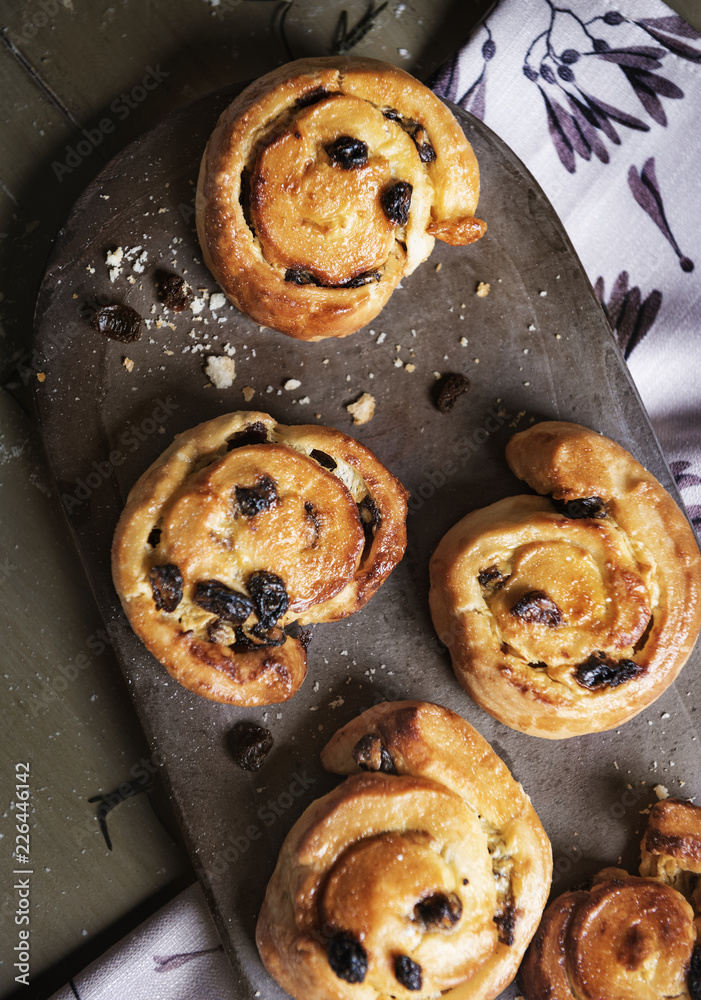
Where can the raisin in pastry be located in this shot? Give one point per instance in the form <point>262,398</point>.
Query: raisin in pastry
<point>571,612</point>
<point>323,184</point>
<point>424,873</point>
<point>241,528</point>
<point>627,938</point>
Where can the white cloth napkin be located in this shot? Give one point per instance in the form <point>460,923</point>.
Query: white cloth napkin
<point>175,955</point>
<point>601,101</point>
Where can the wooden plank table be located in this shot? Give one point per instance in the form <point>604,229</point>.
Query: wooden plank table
<point>80,81</point>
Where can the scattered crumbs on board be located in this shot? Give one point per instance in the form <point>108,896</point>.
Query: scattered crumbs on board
<point>220,370</point>
<point>363,409</point>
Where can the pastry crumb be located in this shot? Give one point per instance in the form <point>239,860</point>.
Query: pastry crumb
<point>363,409</point>
<point>217,301</point>
<point>291,383</point>
<point>248,393</point>
<point>409,368</point>
<point>41,376</point>
<point>439,265</point>
<point>128,364</point>
<point>221,371</point>
<point>661,792</point>
<point>483,289</point>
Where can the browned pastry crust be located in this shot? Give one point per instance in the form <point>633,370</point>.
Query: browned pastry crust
<point>425,872</point>
<point>570,615</point>
<point>671,847</point>
<point>627,938</point>
<point>241,527</point>
<point>323,184</point>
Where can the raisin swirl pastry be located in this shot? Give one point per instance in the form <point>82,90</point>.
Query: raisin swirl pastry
<point>627,938</point>
<point>424,873</point>
<point>323,184</point>
<point>241,528</point>
<point>569,613</point>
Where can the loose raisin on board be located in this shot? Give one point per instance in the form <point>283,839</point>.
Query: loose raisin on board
<point>396,202</point>
<point>252,500</point>
<point>249,744</point>
<point>581,507</point>
<point>370,754</point>
<point>222,601</point>
<point>174,292</point>
<point>347,152</point>
<point>118,322</point>
<point>347,957</point>
<point>536,607</point>
<point>449,390</point>
<point>167,586</point>
<point>269,596</point>
<point>599,670</point>
<point>440,909</point>
<point>407,972</point>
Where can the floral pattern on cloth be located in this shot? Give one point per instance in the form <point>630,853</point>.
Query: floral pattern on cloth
<point>600,101</point>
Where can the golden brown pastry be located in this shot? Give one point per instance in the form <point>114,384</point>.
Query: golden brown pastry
<point>424,873</point>
<point>569,613</point>
<point>242,527</point>
<point>671,847</point>
<point>627,938</point>
<point>323,184</point>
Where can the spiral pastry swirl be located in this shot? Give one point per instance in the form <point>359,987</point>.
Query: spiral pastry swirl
<point>242,528</point>
<point>569,613</point>
<point>425,872</point>
<point>628,938</point>
<point>323,184</point>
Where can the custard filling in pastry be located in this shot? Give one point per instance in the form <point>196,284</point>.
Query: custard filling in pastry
<point>571,612</point>
<point>424,873</point>
<point>628,937</point>
<point>323,184</point>
<point>243,530</point>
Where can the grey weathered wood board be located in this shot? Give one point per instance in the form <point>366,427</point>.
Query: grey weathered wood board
<point>537,346</point>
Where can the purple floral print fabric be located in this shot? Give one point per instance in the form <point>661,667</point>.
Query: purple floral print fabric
<point>601,102</point>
